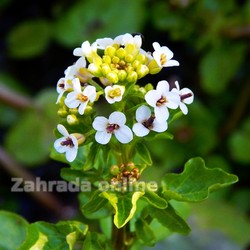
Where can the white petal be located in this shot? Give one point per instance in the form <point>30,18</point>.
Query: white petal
<point>82,108</point>
<point>142,113</point>
<point>102,137</point>
<point>177,85</point>
<point>76,85</point>
<point>161,113</point>
<point>183,108</point>
<point>162,87</point>
<point>62,130</point>
<point>100,123</point>
<point>140,130</point>
<point>58,146</point>
<point>152,97</point>
<point>78,52</point>
<point>171,63</point>
<point>71,154</point>
<point>117,118</point>
<point>173,100</point>
<point>156,46</point>
<point>124,134</point>
<point>90,91</point>
<point>70,102</point>
<point>159,127</point>
<point>103,43</point>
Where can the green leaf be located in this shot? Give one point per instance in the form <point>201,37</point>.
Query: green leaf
<point>29,140</point>
<point>145,233</point>
<point>219,60</point>
<point>95,241</point>
<point>12,230</point>
<point>61,236</point>
<point>124,205</point>
<point>143,152</point>
<point>77,24</point>
<point>95,203</point>
<point>170,219</point>
<point>155,200</point>
<point>239,143</point>
<point>23,39</point>
<point>195,182</point>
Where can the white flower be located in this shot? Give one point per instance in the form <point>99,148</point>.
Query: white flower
<point>161,99</point>
<point>86,49</point>
<point>115,124</point>
<point>121,40</point>
<point>114,93</point>
<point>79,98</point>
<point>186,97</point>
<point>78,70</point>
<point>61,87</point>
<point>146,122</point>
<point>67,144</point>
<point>163,55</point>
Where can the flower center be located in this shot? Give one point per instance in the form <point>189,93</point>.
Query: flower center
<point>112,127</point>
<point>115,92</point>
<point>185,96</point>
<point>68,143</point>
<point>82,98</point>
<point>163,59</point>
<point>161,101</point>
<point>149,122</point>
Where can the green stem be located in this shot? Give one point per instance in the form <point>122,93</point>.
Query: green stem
<point>121,237</point>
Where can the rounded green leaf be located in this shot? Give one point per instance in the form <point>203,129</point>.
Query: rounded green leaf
<point>217,67</point>
<point>239,143</point>
<point>86,20</point>
<point>195,182</point>
<point>29,38</point>
<point>12,230</point>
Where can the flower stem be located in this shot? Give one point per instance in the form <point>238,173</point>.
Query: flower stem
<point>121,237</point>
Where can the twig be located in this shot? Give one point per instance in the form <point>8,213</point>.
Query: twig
<point>13,99</point>
<point>237,32</point>
<point>16,170</point>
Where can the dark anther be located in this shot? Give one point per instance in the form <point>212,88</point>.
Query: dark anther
<point>111,127</point>
<point>185,96</point>
<point>68,142</point>
<point>149,123</point>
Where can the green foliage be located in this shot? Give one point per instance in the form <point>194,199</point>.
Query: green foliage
<point>29,39</point>
<point>12,231</point>
<point>86,20</point>
<point>195,182</point>
<point>36,124</point>
<point>215,33</point>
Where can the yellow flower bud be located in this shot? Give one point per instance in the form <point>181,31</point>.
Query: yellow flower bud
<point>62,112</point>
<point>121,53</point>
<point>132,76</point>
<point>112,77</point>
<point>72,120</point>
<point>154,67</point>
<point>110,51</point>
<point>80,138</point>
<point>129,58</point>
<point>142,70</point>
<point>122,75</point>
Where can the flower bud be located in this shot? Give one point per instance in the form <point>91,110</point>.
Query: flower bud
<point>80,138</point>
<point>72,120</point>
<point>105,69</point>
<point>132,76</point>
<point>121,53</point>
<point>62,112</point>
<point>129,58</point>
<point>112,77</point>
<point>122,75</point>
<point>106,59</point>
<point>110,51</point>
<point>142,70</point>
<point>153,67</point>
<point>114,170</point>
<point>115,60</point>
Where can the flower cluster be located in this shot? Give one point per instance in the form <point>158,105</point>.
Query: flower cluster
<point>106,73</point>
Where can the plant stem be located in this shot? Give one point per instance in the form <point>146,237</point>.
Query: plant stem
<point>121,237</point>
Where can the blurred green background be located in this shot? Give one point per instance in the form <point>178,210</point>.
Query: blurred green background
<point>210,39</point>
